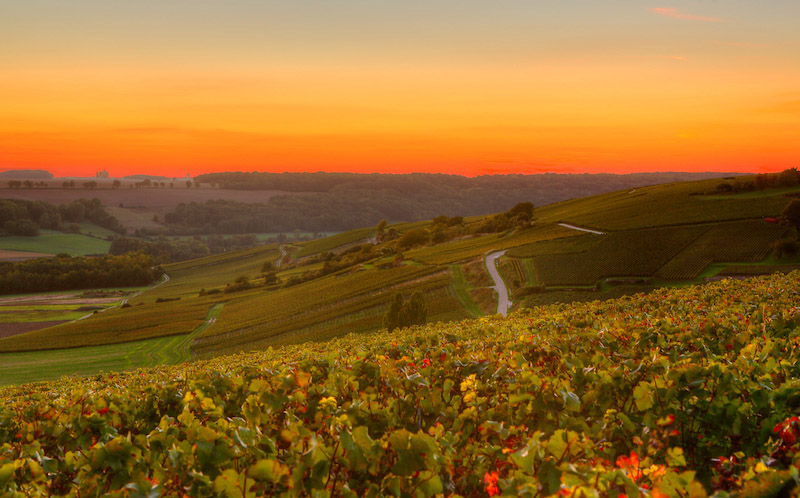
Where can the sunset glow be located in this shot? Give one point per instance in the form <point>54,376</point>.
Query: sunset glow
<point>469,87</point>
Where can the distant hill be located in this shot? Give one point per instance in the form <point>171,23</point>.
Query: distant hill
<point>344,201</point>
<point>146,177</point>
<point>27,174</point>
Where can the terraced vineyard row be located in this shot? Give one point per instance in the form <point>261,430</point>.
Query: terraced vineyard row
<point>90,360</point>
<point>662,205</point>
<point>629,253</point>
<point>742,241</point>
<point>472,247</point>
<point>266,318</point>
<point>335,241</point>
<point>565,245</point>
<point>115,326</point>
<point>681,392</point>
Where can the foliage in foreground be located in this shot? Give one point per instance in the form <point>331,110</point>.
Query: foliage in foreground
<point>676,393</point>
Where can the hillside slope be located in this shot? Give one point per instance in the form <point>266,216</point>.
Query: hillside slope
<point>680,391</point>
<point>343,284</point>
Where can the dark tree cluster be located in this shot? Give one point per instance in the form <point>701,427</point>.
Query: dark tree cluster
<point>67,273</point>
<point>21,217</point>
<point>164,250</point>
<point>406,312</point>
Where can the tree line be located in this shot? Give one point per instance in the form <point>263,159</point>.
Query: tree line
<point>22,217</point>
<point>344,201</point>
<point>164,250</point>
<point>64,272</point>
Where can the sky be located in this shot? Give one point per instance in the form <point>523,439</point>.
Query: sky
<point>176,87</point>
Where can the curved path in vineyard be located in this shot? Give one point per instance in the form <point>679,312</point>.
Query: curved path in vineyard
<point>499,286</point>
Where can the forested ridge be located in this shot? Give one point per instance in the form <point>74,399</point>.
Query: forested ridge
<point>22,217</point>
<point>344,201</point>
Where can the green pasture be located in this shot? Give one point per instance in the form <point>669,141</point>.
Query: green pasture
<point>461,290</point>
<point>55,243</point>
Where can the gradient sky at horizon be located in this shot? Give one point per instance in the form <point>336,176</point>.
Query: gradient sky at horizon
<point>470,87</point>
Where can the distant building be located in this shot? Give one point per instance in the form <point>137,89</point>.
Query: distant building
<point>101,174</point>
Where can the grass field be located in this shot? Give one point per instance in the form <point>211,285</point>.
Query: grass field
<point>55,243</point>
<point>93,230</point>
<point>16,368</point>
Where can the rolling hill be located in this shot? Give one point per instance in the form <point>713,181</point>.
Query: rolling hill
<point>318,290</point>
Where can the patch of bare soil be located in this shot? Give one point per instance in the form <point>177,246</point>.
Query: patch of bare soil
<point>9,329</point>
<point>14,256</point>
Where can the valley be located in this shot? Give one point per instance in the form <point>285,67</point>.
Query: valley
<point>297,292</point>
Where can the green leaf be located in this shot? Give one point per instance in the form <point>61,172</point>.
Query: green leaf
<point>643,396</point>
<point>268,470</point>
<point>549,477</point>
<point>675,457</point>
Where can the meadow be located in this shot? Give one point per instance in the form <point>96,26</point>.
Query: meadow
<point>49,242</point>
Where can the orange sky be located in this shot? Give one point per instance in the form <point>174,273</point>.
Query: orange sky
<point>193,86</point>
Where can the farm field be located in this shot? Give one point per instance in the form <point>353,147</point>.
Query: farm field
<point>14,256</point>
<point>115,325</point>
<point>55,243</point>
<point>487,406</point>
<point>38,366</point>
<point>28,312</point>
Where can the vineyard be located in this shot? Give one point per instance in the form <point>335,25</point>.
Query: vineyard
<point>325,307</point>
<point>335,241</point>
<point>682,392</point>
<point>471,247</point>
<point>629,253</point>
<point>742,241</point>
<point>116,325</point>
<point>662,205</point>
<point>32,366</point>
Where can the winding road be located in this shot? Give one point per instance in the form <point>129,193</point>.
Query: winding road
<point>499,286</point>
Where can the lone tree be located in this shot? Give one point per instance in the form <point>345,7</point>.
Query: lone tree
<point>404,313</point>
<point>791,213</point>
